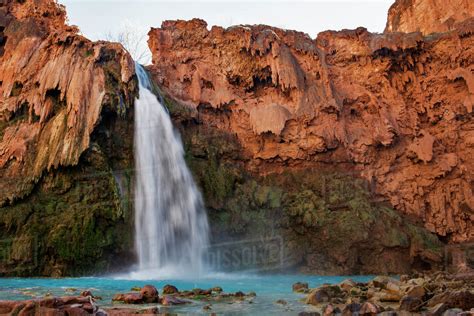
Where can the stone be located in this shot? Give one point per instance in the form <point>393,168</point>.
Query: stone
<point>453,312</point>
<point>284,98</point>
<point>369,308</point>
<point>300,287</point>
<point>129,298</point>
<point>330,309</point>
<point>281,302</point>
<point>309,314</point>
<point>351,309</point>
<point>317,297</point>
<point>438,309</point>
<point>462,299</point>
<point>410,303</point>
<point>217,289</point>
<point>347,285</point>
<point>169,300</point>
<point>427,16</point>
<point>149,294</point>
<point>170,289</point>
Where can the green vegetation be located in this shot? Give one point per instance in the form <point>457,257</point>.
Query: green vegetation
<point>73,223</point>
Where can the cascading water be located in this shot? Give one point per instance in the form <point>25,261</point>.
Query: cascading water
<point>171,228</point>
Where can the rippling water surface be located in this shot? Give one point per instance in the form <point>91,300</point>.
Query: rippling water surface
<point>269,288</point>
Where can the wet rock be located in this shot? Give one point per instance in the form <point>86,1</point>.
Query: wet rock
<point>149,294</point>
<point>217,289</point>
<point>128,298</point>
<point>347,285</point>
<point>317,297</point>
<point>410,304</point>
<point>252,294</point>
<point>239,294</point>
<point>170,289</point>
<point>86,293</point>
<point>169,300</point>
<point>281,302</point>
<point>207,307</point>
<point>309,314</point>
<point>300,287</point>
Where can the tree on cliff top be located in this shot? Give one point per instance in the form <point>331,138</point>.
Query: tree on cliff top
<point>133,38</point>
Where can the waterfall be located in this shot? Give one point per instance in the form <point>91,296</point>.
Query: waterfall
<point>171,228</point>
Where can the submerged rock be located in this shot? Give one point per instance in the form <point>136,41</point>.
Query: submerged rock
<point>300,287</point>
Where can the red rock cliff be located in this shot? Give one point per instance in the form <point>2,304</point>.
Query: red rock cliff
<point>428,16</point>
<point>395,108</point>
<point>54,84</point>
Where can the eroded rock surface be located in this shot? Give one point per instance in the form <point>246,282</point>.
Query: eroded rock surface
<point>54,85</point>
<point>428,16</point>
<point>66,145</point>
<point>395,109</point>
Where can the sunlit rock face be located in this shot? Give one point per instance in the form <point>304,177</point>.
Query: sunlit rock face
<point>54,84</point>
<point>394,108</point>
<point>428,16</point>
<point>66,145</point>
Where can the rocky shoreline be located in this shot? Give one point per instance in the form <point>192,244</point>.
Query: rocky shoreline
<point>438,294</point>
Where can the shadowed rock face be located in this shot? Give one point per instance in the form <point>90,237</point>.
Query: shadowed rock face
<point>394,108</point>
<point>428,16</point>
<point>54,85</point>
<point>65,129</point>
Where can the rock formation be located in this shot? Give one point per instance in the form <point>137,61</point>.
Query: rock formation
<point>395,109</point>
<point>428,16</point>
<point>64,102</point>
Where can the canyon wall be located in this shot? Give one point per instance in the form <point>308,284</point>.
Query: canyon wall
<point>66,144</point>
<point>428,16</point>
<point>395,109</point>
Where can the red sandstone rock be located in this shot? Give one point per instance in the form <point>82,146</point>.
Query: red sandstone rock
<point>428,16</point>
<point>54,84</point>
<point>393,108</point>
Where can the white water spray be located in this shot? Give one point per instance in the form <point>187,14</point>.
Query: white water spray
<point>171,228</point>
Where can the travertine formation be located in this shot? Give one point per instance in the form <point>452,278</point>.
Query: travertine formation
<point>393,108</point>
<point>66,145</point>
<point>428,16</point>
<point>54,84</point>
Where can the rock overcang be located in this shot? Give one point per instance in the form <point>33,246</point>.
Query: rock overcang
<point>396,108</point>
<point>262,110</point>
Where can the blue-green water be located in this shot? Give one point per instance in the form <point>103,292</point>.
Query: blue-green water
<point>269,288</point>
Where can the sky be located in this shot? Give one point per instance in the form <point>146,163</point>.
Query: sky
<point>104,19</point>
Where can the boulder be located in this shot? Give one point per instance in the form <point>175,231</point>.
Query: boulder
<point>330,309</point>
<point>382,281</point>
<point>300,287</point>
<point>170,289</point>
<point>128,298</point>
<point>371,309</point>
<point>347,285</point>
<point>463,299</point>
<point>417,291</point>
<point>169,300</point>
<point>217,289</point>
<point>438,309</point>
<point>351,309</point>
<point>317,297</point>
<point>149,294</point>
<point>410,304</point>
